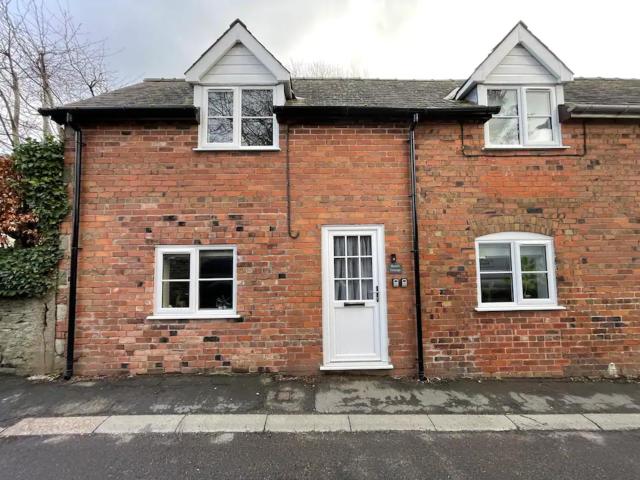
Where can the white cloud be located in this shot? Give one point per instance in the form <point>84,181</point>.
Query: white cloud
<point>386,38</point>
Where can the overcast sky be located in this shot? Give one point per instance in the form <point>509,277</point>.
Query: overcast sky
<point>385,38</point>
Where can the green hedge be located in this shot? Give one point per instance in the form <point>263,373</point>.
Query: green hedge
<point>29,271</point>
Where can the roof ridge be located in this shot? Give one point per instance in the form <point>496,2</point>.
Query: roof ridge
<point>608,78</point>
<point>381,79</point>
<point>162,79</point>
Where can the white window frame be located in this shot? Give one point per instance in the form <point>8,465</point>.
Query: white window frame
<point>516,240</point>
<point>236,143</point>
<point>192,311</point>
<point>521,91</point>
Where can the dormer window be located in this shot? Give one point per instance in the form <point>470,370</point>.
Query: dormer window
<point>237,83</point>
<point>239,117</point>
<point>527,116</point>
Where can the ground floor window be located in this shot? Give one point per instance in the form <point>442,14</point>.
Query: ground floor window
<point>195,281</point>
<point>515,270</point>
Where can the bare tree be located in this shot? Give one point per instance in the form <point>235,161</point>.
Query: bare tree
<point>45,59</point>
<point>322,69</point>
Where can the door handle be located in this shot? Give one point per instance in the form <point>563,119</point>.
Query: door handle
<point>354,304</point>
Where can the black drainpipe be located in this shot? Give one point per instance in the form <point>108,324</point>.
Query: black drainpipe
<point>416,245</point>
<point>73,268</point>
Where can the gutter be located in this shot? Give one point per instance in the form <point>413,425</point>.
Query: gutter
<point>286,113</point>
<point>416,246</point>
<point>589,110</point>
<point>188,113</point>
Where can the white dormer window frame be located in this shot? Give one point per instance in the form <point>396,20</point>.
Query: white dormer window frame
<point>237,118</point>
<point>523,116</point>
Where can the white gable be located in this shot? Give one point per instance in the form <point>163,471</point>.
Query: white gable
<point>238,66</point>
<point>238,58</point>
<point>519,66</point>
<point>519,58</point>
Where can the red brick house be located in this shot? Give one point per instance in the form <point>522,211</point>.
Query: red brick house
<point>242,220</point>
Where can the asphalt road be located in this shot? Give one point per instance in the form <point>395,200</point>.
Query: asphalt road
<point>477,456</point>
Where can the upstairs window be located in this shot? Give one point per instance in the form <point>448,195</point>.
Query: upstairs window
<point>527,117</point>
<point>239,118</point>
<point>515,271</point>
<point>195,281</point>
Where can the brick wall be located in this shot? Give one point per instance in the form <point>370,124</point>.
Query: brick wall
<point>588,201</point>
<point>144,186</point>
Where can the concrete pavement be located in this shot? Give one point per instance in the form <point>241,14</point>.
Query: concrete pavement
<point>225,394</point>
<point>292,423</point>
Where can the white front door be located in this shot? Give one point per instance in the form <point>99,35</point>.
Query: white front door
<point>354,298</point>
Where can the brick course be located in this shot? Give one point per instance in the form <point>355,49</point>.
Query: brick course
<point>143,186</point>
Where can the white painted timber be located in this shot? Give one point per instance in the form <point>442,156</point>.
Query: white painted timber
<point>54,426</point>
<point>517,65</point>
<point>140,424</point>
<point>471,423</point>
<point>553,422</point>
<point>307,423</point>
<point>223,423</point>
<point>615,421</point>
<point>380,423</point>
<point>236,65</point>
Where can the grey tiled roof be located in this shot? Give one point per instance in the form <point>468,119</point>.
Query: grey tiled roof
<point>350,92</point>
<point>354,92</point>
<point>603,91</point>
<point>150,93</point>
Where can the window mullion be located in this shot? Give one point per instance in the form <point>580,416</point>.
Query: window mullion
<point>237,116</point>
<point>524,124</point>
<point>193,282</point>
<point>517,281</point>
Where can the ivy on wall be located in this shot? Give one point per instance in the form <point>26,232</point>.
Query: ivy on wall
<point>27,270</point>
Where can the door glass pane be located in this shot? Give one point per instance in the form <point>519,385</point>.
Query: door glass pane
<point>354,268</point>
<point>535,285</point>
<point>338,246</point>
<point>257,132</point>
<point>539,130</point>
<point>354,289</point>
<point>533,258</point>
<point>352,246</point>
<point>341,289</point>
<point>504,131</point>
<point>367,271</point>
<point>216,264</point>
<point>175,294</point>
<point>506,99</point>
<point>495,257</point>
<point>538,103</point>
<point>367,289</point>
<point>365,245</point>
<point>257,103</point>
<point>338,268</point>
<point>496,287</point>
<point>175,266</point>
<point>216,294</point>
<point>220,103</point>
<point>220,130</point>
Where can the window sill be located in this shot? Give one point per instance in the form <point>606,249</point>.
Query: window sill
<point>525,147</point>
<point>516,308</point>
<point>189,316</point>
<point>237,149</point>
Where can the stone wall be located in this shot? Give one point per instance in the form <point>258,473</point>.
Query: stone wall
<point>27,332</point>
